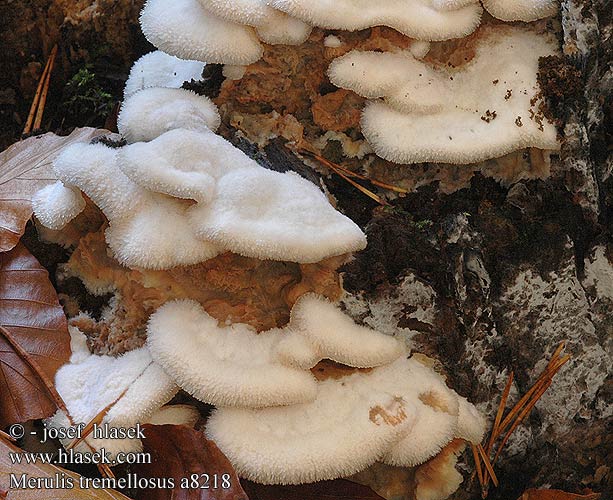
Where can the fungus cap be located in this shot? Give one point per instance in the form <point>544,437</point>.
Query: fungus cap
<point>145,229</point>
<point>273,26</point>
<point>401,413</point>
<point>521,10</point>
<point>183,163</point>
<point>223,365</point>
<point>280,216</point>
<point>132,385</point>
<point>183,28</point>
<point>331,334</point>
<point>421,19</point>
<point>350,425</point>
<point>242,207</point>
<point>484,109</point>
<point>158,69</point>
<point>149,113</point>
<point>56,205</point>
<point>235,366</point>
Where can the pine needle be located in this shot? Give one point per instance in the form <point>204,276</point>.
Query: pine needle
<point>348,175</point>
<point>501,406</point>
<point>43,97</point>
<point>40,97</point>
<point>514,418</point>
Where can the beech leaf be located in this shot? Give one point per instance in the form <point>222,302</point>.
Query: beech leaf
<point>33,338</point>
<point>534,494</point>
<point>25,167</point>
<point>339,489</point>
<point>182,453</point>
<point>56,476</point>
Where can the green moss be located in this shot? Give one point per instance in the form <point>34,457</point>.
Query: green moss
<point>85,101</point>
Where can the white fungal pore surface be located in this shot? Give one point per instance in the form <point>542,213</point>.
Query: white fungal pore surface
<point>132,385</point>
<point>149,113</point>
<point>401,413</point>
<point>184,28</point>
<point>273,26</point>
<point>483,109</point>
<point>521,10</point>
<point>244,368</point>
<point>145,189</point>
<point>421,19</point>
<point>158,69</point>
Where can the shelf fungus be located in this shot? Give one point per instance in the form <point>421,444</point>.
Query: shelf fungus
<point>521,10</point>
<point>126,391</point>
<point>401,413</point>
<point>147,191</point>
<point>158,69</point>
<point>461,115</point>
<point>149,113</point>
<point>420,19</point>
<point>244,368</point>
<point>185,29</point>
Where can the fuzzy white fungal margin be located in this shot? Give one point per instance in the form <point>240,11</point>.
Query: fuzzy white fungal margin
<point>56,205</point>
<point>521,10</point>
<point>483,109</point>
<point>158,69</point>
<point>401,413</point>
<point>183,28</point>
<point>133,385</point>
<point>421,19</point>
<point>244,368</point>
<point>151,112</point>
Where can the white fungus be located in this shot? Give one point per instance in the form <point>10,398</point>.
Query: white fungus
<point>333,41</point>
<point>350,426</point>
<point>268,215</point>
<point>158,69</point>
<point>272,26</point>
<point>56,205</point>
<point>145,229</point>
<point>149,113</point>
<point>175,415</point>
<point>325,332</point>
<point>521,10</point>
<point>184,28</point>
<point>484,109</point>
<point>421,19</point>
<point>132,386</point>
<point>241,207</point>
<point>233,72</point>
<point>401,413</point>
<point>235,366</point>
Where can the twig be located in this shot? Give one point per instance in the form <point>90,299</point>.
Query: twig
<point>488,466</point>
<point>43,97</point>
<point>515,417</point>
<point>347,174</point>
<point>43,88</point>
<point>501,406</point>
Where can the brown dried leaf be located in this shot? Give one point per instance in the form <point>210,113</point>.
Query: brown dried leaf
<point>339,489</point>
<point>50,473</point>
<point>534,494</point>
<point>25,167</point>
<point>179,452</point>
<point>32,318</point>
